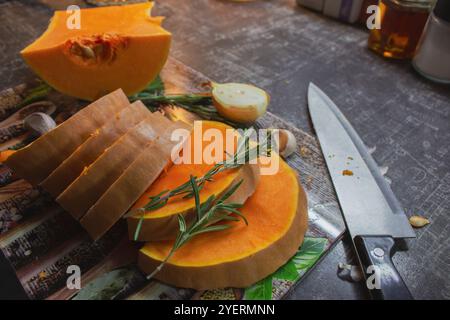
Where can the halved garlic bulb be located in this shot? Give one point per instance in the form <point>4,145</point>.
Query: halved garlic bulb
<point>239,102</point>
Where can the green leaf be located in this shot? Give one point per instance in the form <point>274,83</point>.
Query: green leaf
<point>261,290</point>
<point>231,191</point>
<point>219,227</point>
<point>36,94</point>
<point>181,223</point>
<point>303,260</point>
<point>154,88</point>
<point>309,253</point>
<point>138,228</point>
<point>287,272</point>
<point>195,191</point>
<point>238,213</point>
<point>107,285</point>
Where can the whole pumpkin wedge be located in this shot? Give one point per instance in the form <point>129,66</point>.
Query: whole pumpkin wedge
<point>162,224</point>
<point>112,47</point>
<point>244,254</point>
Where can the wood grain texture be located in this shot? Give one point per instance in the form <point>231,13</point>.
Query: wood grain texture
<point>280,47</point>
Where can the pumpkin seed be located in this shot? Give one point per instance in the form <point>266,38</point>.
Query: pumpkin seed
<point>87,52</point>
<point>418,222</point>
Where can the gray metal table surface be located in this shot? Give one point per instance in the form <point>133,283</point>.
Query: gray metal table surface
<point>281,47</point>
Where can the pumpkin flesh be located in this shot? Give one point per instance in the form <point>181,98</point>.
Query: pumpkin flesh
<point>159,224</point>
<point>179,174</point>
<point>116,47</point>
<point>241,255</point>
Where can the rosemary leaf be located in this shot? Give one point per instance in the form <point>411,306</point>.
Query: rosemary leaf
<point>196,191</point>
<point>209,216</point>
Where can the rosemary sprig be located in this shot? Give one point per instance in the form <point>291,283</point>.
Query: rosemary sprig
<point>244,154</point>
<point>208,218</point>
<point>37,93</point>
<point>200,104</point>
<point>154,98</point>
<point>177,99</point>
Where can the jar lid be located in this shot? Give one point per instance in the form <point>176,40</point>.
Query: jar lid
<point>442,10</point>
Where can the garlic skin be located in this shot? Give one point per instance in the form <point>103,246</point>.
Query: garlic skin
<point>286,141</point>
<point>39,123</point>
<point>239,102</point>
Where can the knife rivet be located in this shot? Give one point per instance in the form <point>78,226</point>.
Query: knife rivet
<point>378,252</point>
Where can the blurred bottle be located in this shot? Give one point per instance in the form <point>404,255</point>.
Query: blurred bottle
<point>402,23</point>
<point>432,58</point>
<point>344,10</point>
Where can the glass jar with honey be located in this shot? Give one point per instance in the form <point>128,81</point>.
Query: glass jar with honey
<point>402,23</point>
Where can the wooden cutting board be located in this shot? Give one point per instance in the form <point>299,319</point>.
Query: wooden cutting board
<point>41,241</point>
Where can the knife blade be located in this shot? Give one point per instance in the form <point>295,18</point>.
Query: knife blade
<point>372,214</point>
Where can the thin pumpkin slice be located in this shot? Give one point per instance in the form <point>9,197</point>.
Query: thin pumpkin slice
<point>113,47</point>
<point>100,175</point>
<point>4,155</point>
<point>162,223</point>
<point>120,196</point>
<point>93,147</point>
<point>166,227</point>
<point>241,255</point>
<point>37,160</point>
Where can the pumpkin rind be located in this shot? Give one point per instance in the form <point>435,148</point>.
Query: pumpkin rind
<point>130,185</point>
<point>115,47</point>
<point>93,147</point>
<point>99,176</point>
<point>37,160</point>
<point>213,260</point>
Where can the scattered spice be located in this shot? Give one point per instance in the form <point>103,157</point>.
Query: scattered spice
<point>350,158</point>
<point>309,181</point>
<point>418,221</point>
<point>304,151</point>
<point>347,173</point>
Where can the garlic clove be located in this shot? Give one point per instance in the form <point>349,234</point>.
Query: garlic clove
<point>39,123</point>
<point>239,102</point>
<point>286,141</point>
<point>418,221</point>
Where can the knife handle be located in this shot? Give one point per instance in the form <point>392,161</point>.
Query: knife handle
<point>382,278</point>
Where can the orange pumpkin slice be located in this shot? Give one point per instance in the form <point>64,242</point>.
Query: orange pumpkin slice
<point>162,223</point>
<point>242,255</point>
<point>112,47</point>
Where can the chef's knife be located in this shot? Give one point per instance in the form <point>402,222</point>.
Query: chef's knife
<point>372,214</point>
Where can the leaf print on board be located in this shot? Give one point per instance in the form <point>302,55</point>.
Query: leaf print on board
<point>303,260</point>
